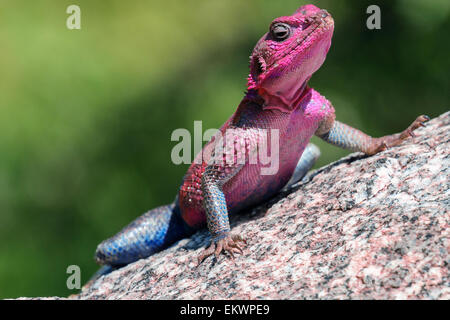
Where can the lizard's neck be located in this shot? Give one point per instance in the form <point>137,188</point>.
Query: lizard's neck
<point>272,102</point>
<point>254,107</point>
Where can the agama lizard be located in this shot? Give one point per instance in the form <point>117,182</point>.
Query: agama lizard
<point>277,98</point>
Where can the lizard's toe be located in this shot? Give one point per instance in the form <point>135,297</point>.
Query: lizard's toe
<point>206,253</point>
<point>409,132</point>
<point>419,122</point>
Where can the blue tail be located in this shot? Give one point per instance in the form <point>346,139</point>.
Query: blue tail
<point>148,234</point>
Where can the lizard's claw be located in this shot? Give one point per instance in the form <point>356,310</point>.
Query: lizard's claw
<point>419,122</point>
<point>229,244</point>
<point>405,134</point>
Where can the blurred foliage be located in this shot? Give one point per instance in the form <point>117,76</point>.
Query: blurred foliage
<point>86,115</point>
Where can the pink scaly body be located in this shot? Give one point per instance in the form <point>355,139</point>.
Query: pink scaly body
<point>248,187</point>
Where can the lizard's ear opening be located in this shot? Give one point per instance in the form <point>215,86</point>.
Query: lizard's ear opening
<point>257,67</point>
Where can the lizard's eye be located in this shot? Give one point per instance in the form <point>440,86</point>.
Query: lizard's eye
<point>280,31</point>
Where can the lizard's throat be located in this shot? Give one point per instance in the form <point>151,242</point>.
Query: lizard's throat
<point>283,101</point>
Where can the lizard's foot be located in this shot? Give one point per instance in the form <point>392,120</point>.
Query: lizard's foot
<point>229,244</point>
<point>394,140</point>
<point>408,132</point>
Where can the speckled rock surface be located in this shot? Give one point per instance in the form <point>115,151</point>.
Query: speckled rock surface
<point>361,228</point>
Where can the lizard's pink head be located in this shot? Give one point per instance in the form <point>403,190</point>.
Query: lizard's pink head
<point>285,57</point>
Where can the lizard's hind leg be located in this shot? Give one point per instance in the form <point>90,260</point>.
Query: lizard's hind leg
<point>306,162</point>
<point>148,234</point>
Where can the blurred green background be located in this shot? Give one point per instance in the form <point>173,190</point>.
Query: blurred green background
<point>86,115</point>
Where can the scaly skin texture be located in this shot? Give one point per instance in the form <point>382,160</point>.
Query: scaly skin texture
<point>279,114</point>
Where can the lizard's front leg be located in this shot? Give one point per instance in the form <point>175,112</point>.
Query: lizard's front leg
<point>344,136</point>
<point>216,210</point>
